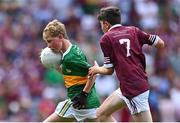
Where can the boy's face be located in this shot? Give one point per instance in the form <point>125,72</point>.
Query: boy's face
<point>54,43</point>
<point>104,26</point>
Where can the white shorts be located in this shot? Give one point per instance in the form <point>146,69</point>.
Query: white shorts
<point>140,102</point>
<point>65,109</point>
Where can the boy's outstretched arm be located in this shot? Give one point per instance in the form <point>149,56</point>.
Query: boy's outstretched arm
<point>100,70</point>
<point>79,102</point>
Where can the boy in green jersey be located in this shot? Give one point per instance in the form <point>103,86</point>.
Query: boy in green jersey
<point>82,99</point>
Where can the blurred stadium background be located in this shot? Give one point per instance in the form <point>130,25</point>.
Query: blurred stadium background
<point>29,92</point>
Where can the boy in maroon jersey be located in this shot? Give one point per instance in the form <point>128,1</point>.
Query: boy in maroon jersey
<point>122,49</point>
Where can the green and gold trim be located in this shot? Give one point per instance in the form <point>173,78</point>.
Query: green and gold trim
<point>74,80</point>
<point>66,106</point>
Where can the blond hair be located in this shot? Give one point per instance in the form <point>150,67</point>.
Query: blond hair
<point>54,29</point>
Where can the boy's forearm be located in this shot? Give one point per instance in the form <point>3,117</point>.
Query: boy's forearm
<point>89,84</point>
<point>105,71</point>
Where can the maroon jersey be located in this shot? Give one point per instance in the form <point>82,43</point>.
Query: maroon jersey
<point>122,49</point>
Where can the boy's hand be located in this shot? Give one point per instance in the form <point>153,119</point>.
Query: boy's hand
<point>79,101</point>
<point>93,70</point>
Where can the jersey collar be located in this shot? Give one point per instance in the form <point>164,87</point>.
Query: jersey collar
<point>116,25</point>
<point>67,51</point>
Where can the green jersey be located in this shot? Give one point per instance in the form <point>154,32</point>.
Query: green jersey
<point>75,69</point>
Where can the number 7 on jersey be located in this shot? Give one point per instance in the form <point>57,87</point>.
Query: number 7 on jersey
<point>122,41</point>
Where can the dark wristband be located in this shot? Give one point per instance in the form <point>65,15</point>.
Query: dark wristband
<point>84,93</point>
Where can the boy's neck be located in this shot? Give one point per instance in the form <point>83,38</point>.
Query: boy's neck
<point>66,45</point>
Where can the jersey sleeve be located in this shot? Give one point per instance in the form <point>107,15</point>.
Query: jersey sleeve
<point>84,64</point>
<point>81,61</point>
<point>146,38</point>
<point>107,51</point>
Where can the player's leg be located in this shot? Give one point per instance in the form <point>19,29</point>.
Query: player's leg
<point>113,103</point>
<point>144,116</point>
<point>55,118</point>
